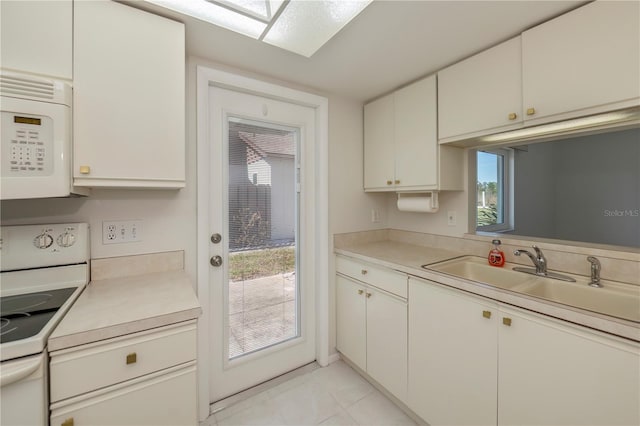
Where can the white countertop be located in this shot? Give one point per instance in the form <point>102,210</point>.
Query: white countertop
<point>119,306</point>
<point>409,258</point>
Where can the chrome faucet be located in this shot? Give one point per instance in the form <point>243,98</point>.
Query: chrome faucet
<point>538,260</point>
<point>595,272</point>
<point>540,263</point>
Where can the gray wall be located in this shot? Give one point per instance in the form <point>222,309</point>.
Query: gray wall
<point>581,189</point>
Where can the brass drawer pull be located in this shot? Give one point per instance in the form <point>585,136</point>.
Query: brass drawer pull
<point>531,111</point>
<point>389,182</point>
<point>85,170</point>
<point>360,291</point>
<point>397,181</point>
<point>132,358</point>
<point>513,116</point>
<point>368,295</point>
<point>506,321</point>
<point>68,422</point>
<point>486,314</point>
<point>364,272</point>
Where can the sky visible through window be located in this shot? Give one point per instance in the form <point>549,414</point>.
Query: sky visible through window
<point>487,168</point>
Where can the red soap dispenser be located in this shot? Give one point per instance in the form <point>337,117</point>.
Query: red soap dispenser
<point>496,256</point>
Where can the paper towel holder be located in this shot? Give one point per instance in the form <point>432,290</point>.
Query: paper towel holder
<point>432,195</point>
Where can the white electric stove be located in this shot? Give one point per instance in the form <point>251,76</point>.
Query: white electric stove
<point>44,268</point>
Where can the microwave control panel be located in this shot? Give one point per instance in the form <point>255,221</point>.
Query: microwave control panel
<point>27,145</point>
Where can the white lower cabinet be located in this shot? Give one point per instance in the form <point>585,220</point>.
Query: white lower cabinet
<point>164,398</point>
<point>475,361</point>
<point>372,322</point>
<point>145,378</point>
<point>452,356</point>
<point>553,373</point>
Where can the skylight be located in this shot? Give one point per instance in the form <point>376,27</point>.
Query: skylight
<point>300,26</point>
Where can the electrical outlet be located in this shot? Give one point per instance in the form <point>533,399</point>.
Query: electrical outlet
<point>451,218</point>
<point>375,215</point>
<point>121,231</point>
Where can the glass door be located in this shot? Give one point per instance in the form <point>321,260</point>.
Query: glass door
<point>261,282</point>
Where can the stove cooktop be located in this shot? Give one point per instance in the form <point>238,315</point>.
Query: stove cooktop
<point>24,315</point>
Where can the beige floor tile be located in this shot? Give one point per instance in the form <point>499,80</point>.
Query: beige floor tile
<point>377,410</point>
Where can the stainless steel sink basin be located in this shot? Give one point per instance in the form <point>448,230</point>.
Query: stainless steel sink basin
<point>476,269</point>
<point>614,299</point>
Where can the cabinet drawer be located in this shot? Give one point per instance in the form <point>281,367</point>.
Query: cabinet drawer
<point>94,366</point>
<point>165,398</point>
<point>385,279</point>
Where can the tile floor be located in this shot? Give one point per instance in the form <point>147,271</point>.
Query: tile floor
<point>334,395</point>
<point>261,312</point>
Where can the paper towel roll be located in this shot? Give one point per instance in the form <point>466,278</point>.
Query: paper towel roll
<point>421,203</point>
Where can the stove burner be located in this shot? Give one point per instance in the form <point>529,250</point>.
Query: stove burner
<point>23,302</point>
<point>24,315</point>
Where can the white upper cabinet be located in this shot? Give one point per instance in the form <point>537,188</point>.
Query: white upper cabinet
<point>129,98</point>
<point>482,93</point>
<point>379,164</point>
<point>583,62</point>
<point>416,140</point>
<point>37,37</point>
<point>401,146</point>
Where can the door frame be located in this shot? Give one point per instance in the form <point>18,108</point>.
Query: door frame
<point>207,77</point>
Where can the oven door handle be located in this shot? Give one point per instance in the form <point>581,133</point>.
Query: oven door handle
<point>18,372</point>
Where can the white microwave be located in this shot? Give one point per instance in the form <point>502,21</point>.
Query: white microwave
<point>35,156</point>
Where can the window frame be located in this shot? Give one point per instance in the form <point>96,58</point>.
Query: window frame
<point>506,187</point>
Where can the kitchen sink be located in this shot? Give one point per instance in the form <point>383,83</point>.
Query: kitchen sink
<point>614,299</point>
<point>618,300</point>
<point>476,269</point>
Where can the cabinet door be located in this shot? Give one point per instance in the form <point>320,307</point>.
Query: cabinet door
<point>378,143</point>
<point>37,37</point>
<point>481,94</point>
<point>452,356</point>
<point>387,341</point>
<point>553,373</point>
<point>416,144</point>
<point>167,398</point>
<point>587,58</point>
<point>129,103</point>
<point>351,319</point>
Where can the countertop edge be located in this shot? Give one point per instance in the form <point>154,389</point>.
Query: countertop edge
<point>91,336</point>
<point>598,322</point>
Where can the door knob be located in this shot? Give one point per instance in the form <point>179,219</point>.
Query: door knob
<point>216,238</point>
<point>216,261</point>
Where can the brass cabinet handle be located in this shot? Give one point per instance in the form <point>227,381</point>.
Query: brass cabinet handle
<point>132,358</point>
<point>364,272</point>
<point>85,170</point>
<point>513,116</point>
<point>68,422</point>
<point>389,182</point>
<point>360,291</point>
<point>531,111</point>
<point>368,295</point>
<point>486,314</point>
<point>397,181</point>
<point>506,321</point>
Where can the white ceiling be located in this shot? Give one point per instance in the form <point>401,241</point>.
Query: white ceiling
<point>391,43</point>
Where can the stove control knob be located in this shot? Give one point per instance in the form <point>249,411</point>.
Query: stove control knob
<point>43,241</point>
<point>66,240</point>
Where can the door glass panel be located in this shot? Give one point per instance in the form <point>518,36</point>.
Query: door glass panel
<point>263,303</point>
